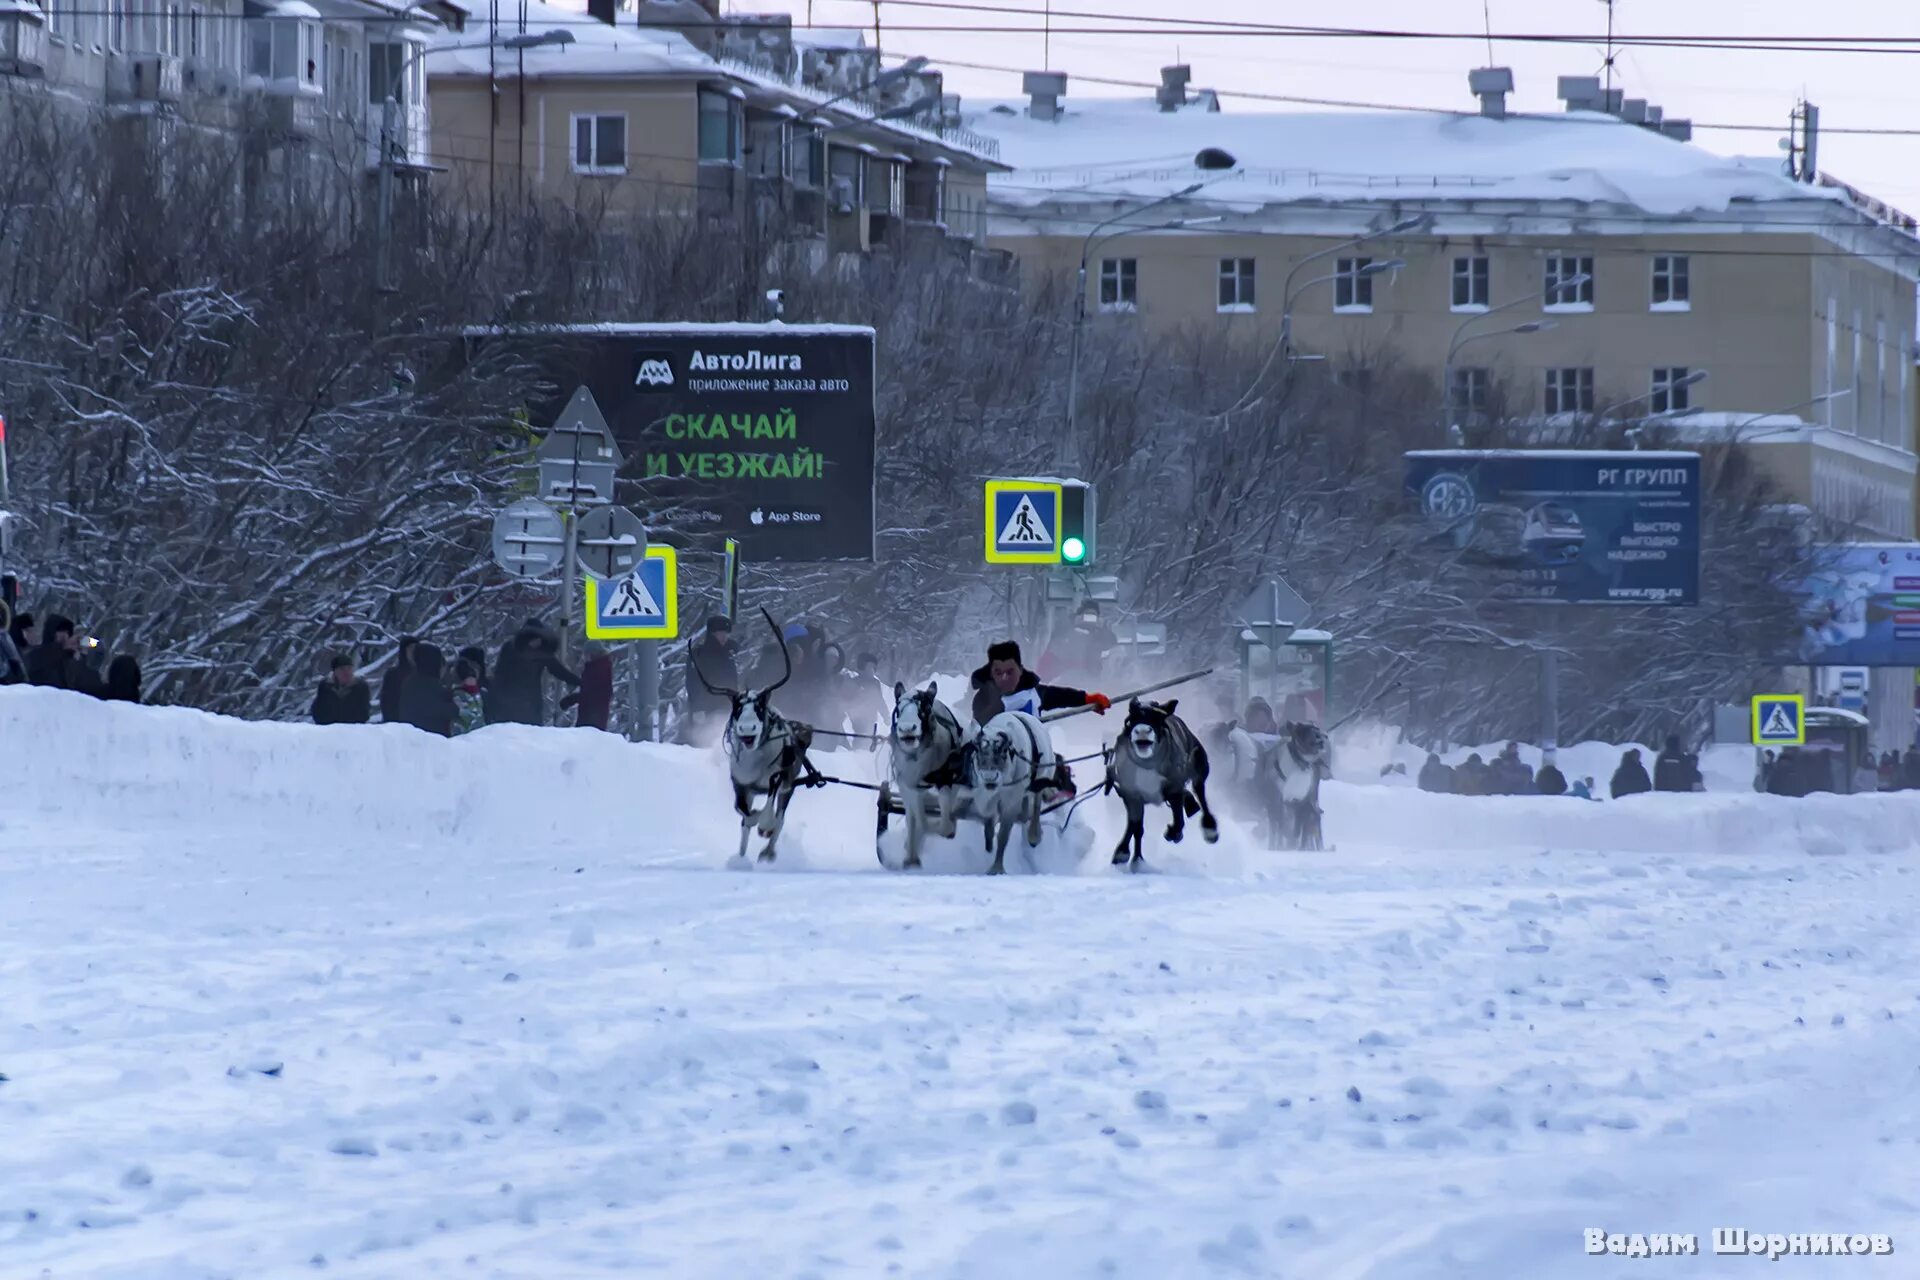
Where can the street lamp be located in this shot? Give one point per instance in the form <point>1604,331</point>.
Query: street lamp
<point>1286,287</point>
<point>1460,339</point>
<point>1693,379</point>
<point>1208,159</point>
<point>390,122</point>
<point>1288,293</point>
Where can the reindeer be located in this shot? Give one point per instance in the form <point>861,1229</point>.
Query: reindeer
<point>1008,763</point>
<point>766,754</point>
<point>926,739</point>
<point>1159,761</point>
<point>1289,776</point>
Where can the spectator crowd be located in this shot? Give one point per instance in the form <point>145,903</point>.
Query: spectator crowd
<point>1674,769</point>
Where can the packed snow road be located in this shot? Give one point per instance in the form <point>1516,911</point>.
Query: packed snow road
<point>275,999</point>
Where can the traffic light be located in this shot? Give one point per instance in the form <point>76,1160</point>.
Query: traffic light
<point>1079,516</point>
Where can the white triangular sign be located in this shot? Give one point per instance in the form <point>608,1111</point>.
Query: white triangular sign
<point>1024,528</point>
<point>1779,723</point>
<point>631,599</point>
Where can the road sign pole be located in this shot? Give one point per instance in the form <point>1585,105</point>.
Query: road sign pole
<point>1550,699</point>
<point>569,574</point>
<point>730,581</point>
<point>646,690</point>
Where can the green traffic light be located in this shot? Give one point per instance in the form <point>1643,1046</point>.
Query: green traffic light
<point>1073,550</point>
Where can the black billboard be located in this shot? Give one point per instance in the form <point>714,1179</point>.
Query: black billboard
<point>759,432</point>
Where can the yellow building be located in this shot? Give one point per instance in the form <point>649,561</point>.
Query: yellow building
<point>1588,263</point>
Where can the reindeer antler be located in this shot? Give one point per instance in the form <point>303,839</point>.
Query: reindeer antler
<point>786,658</point>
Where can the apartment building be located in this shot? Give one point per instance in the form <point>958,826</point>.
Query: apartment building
<point>666,108</point>
<point>1595,262</point>
<point>293,76</point>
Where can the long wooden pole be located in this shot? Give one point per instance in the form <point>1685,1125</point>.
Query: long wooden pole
<point>1063,712</point>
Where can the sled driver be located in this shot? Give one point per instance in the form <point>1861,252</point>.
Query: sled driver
<point>1005,685</point>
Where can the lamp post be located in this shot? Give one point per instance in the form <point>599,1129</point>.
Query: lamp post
<point>390,127</point>
<point>1693,379</point>
<point>1287,294</point>
<point>1210,158</point>
<point>1453,349</point>
<point>1286,287</point>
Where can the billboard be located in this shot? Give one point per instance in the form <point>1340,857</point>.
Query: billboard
<point>1562,526</point>
<point>1862,606</point>
<point>759,432</point>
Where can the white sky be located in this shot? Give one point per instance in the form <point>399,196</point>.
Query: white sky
<point>1859,90</point>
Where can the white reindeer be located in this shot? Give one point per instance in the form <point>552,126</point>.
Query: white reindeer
<point>1007,765</point>
<point>926,738</point>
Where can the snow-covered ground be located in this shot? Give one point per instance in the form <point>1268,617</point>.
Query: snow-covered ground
<point>275,999</point>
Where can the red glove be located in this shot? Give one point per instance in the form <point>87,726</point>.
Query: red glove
<point>1100,702</point>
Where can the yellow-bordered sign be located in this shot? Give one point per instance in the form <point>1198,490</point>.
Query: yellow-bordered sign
<point>1779,720</point>
<point>1023,522</point>
<point>644,605</point>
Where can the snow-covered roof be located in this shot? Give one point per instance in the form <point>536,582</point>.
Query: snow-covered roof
<point>1114,148</point>
<point>597,49</point>
<point>829,38</point>
<point>21,6</point>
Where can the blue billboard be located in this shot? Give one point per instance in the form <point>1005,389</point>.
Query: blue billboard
<point>1861,606</point>
<point>1562,526</point>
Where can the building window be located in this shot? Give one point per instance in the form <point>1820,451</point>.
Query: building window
<point>1468,393</point>
<point>719,128</point>
<point>1236,284</point>
<point>1671,291</point>
<point>1671,392</point>
<point>809,159</point>
<point>1880,377</point>
<point>1859,411</point>
<point>600,144</point>
<point>844,165</point>
<point>1569,391</point>
<point>1472,281</point>
<point>1352,288</point>
<point>117,25</point>
<point>1119,284</point>
<point>384,60</point>
<point>1569,283</point>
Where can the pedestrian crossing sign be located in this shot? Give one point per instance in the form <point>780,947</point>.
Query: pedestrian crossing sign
<point>1023,522</point>
<point>643,605</point>
<point>1779,720</point>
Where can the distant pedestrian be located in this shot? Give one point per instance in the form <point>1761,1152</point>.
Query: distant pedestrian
<point>469,702</point>
<point>343,697</point>
<point>1583,790</point>
<point>425,701</point>
<point>395,680</point>
<point>1910,770</point>
<point>713,659</point>
<point>57,662</point>
<point>123,679</point>
<point>516,692</point>
<point>13,664</point>
<point>1473,778</point>
<point>1675,769</point>
<point>1550,781</point>
<point>1435,776</point>
<point>594,699</point>
<point>1631,779</point>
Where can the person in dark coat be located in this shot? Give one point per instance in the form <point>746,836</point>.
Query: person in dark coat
<point>25,635</point>
<point>712,657</point>
<point>1435,776</point>
<point>425,701</point>
<point>594,698</point>
<point>1675,768</point>
<point>515,692</point>
<point>395,680</point>
<point>123,679</point>
<point>1004,685</point>
<point>1631,779</point>
<point>476,659</point>
<point>1550,781</point>
<point>343,697</point>
<point>1473,778</point>
<point>55,663</point>
<point>1910,770</point>
<point>1511,776</point>
<point>13,663</point>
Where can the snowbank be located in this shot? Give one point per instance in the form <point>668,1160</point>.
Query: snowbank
<point>168,767</point>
